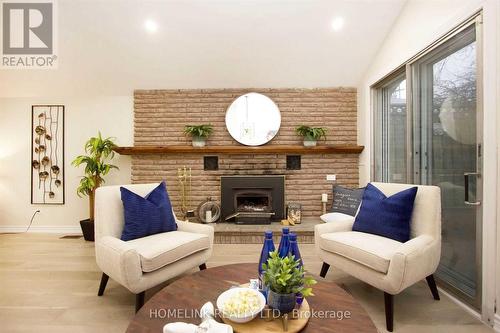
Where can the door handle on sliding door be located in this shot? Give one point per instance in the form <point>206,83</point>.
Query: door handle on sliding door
<point>466,188</point>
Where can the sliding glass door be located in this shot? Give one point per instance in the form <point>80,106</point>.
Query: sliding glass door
<point>447,144</point>
<point>439,143</point>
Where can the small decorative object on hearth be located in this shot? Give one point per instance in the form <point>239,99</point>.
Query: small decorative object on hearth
<point>311,135</point>
<point>294,213</point>
<point>209,211</point>
<point>199,133</point>
<point>47,154</point>
<point>285,278</point>
<point>184,176</point>
<point>99,151</point>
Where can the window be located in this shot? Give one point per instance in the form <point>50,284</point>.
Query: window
<point>390,134</point>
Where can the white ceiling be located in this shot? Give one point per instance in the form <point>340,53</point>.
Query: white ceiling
<point>105,49</point>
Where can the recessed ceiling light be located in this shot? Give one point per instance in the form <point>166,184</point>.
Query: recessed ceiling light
<point>150,26</point>
<point>337,23</point>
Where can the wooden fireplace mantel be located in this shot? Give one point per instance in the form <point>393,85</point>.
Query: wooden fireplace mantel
<point>239,150</point>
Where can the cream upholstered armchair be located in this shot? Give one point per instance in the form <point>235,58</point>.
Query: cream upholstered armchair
<point>384,263</point>
<point>143,263</point>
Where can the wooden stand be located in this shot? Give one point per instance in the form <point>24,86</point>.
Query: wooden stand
<point>266,323</point>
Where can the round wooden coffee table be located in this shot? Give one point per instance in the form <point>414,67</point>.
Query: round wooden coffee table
<point>332,309</point>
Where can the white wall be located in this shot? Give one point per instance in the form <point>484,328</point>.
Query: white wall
<point>84,116</point>
<point>420,23</point>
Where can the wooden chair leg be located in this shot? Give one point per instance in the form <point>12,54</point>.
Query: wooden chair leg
<point>102,286</point>
<point>389,311</point>
<point>432,285</point>
<point>139,300</point>
<point>324,269</point>
<point>203,267</point>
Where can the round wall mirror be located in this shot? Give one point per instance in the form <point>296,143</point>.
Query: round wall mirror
<point>253,119</point>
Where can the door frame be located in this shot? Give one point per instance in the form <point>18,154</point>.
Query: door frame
<point>491,168</point>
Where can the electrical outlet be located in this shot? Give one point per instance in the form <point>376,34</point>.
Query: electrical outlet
<point>331,177</point>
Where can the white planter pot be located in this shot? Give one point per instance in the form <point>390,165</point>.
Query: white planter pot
<point>309,142</point>
<point>198,141</point>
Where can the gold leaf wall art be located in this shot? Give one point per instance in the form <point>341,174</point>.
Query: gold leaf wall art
<point>47,163</point>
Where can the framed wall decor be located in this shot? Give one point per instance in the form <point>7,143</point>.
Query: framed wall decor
<point>47,154</point>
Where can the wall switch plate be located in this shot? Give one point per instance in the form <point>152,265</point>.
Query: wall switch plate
<point>331,177</point>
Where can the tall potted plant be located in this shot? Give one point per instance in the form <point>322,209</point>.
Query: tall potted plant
<point>99,150</point>
<point>311,135</point>
<point>199,133</point>
<point>285,279</point>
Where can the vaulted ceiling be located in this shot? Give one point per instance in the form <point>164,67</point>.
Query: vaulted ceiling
<point>106,47</point>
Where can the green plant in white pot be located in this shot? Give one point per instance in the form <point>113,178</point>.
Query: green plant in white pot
<point>285,279</point>
<point>199,133</point>
<point>311,135</point>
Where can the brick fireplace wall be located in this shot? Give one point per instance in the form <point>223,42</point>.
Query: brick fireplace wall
<point>160,116</point>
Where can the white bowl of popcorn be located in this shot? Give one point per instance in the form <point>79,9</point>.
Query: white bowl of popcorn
<point>240,305</point>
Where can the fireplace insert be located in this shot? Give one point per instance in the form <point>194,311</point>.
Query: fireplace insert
<point>252,199</point>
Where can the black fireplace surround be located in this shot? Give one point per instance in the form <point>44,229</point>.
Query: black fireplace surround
<point>258,199</point>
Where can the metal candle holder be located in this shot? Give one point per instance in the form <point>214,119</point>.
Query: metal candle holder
<point>184,177</point>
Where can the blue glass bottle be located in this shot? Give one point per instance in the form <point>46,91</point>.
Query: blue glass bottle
<point>266,248</point>
<point>294,248</point>
<point>284,246</point>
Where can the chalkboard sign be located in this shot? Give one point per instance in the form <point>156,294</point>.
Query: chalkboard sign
<point>346,200</point>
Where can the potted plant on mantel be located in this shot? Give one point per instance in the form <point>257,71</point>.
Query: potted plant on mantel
<point>199,133</point>
<point>98,151</point>
<point>285,279</point>
<point>311,134</point>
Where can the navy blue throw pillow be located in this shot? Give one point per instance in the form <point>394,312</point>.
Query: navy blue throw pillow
<point>386,216</point>
<point>147,216</point>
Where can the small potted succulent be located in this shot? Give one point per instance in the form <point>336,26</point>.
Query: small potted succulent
<point>199,133</point>
<point>311,135</point>
<point>285,280</point>
<point>99,150</point>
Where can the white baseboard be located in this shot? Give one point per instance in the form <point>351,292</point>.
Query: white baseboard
<point>46,229</point>
<point>496,326</point>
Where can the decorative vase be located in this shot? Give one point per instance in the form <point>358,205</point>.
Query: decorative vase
<point>266,248</point>
<point>284,303</point>
<point>198,141</point>
<point>294,248</point>
<point>284,246</point>
<point>309,142</point>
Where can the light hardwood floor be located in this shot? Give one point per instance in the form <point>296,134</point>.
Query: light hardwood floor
<point>49,284</point>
